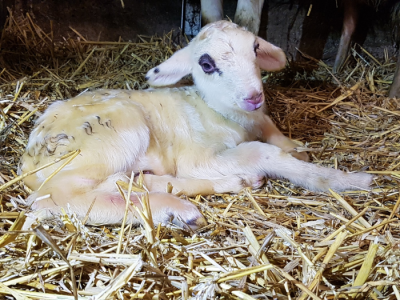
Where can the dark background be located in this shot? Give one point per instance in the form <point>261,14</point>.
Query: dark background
<point>284,23</point>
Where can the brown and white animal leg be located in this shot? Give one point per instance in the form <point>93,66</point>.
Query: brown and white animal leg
<point>193,187</point>
<point>394,90</point>
<point>268,160</point>
<point>211,11</point>
<point>349,26</point>
<point>248,14</point>
<point>272,135</point>
<point>109,207</point>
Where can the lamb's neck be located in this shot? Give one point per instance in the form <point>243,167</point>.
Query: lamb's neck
<point>246,119</point>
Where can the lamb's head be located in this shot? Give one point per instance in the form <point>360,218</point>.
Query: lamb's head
<point>224,60</point>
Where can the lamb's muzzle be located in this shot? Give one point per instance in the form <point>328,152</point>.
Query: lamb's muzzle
<point>253,102</point>
<point>202,139</point>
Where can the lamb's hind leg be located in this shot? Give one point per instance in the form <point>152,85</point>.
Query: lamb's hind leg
<point>193,187</point>
<point>108,205</point>
<point>263,159</point>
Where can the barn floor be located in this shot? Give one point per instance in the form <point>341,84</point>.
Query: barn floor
<point>279,242</point>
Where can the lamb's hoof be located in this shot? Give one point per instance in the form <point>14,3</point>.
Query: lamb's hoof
<point>289,146</point>
<point>254,181</point>
<point>236,183</point>
<point>167,208</point>
<point>192,217</point>
<point>299,155</point>
<point>195,223</point>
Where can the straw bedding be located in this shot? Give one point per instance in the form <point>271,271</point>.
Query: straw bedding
<point>278,242</point>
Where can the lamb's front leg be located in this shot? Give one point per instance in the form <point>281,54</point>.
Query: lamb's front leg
<point>272,135</point>
<point>268,160</point>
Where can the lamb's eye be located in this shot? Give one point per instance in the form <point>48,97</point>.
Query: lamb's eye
<point>208,68</point>
<point>256,47</point>
<point>207,64</point>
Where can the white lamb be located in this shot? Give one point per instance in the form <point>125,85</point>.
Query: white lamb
<point>202,139</point>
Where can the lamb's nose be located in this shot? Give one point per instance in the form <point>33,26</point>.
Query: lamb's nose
<point>256,98</point>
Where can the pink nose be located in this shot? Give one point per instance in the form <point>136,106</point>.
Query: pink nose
<point>252,102</point>
<point>255,99</point>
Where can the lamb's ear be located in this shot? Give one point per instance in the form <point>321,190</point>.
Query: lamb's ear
<point>270,57</point>
<point>172,70</point>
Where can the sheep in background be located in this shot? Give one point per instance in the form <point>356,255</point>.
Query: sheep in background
<point>248,13</point>
<point>201,139</point>
<point>352,9</point>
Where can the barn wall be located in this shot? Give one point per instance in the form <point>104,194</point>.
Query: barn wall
<point>284,23</point>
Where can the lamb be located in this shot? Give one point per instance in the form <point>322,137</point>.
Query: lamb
<point>202,139</point>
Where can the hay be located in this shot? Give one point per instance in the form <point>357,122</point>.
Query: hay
<point>279,242</point>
